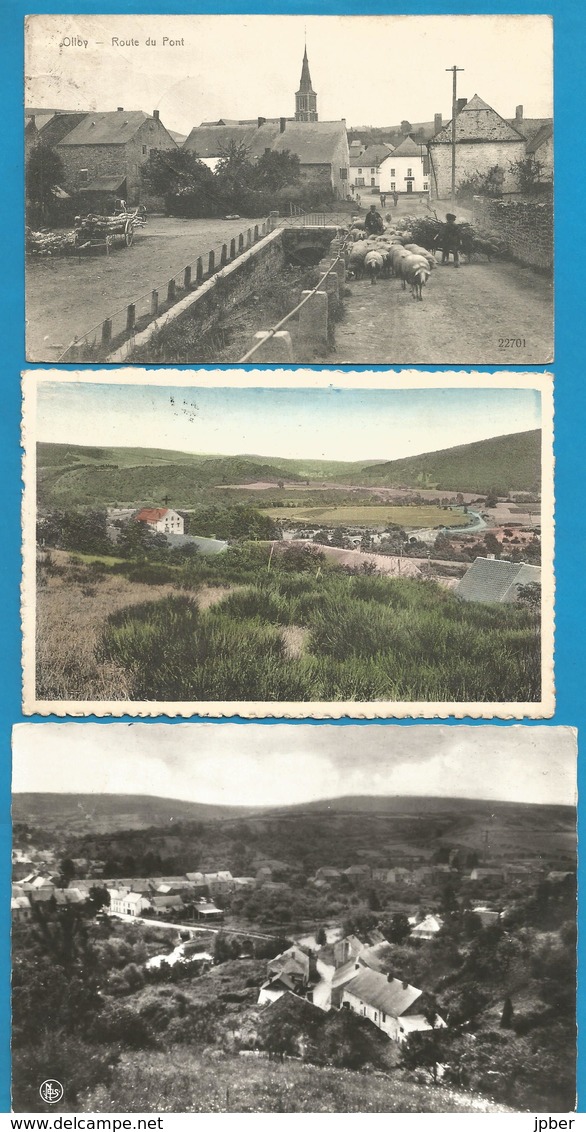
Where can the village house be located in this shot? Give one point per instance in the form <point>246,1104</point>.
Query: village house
<point>387,1002</point>
<point>244,883</point>
<point>487,874</point>
<point>208,911</point>
<point>103,154</point>
<point>406,169</point>
<point>21,909</point>
<point>484,142</point>
<point>494,580</point>
<point>163,520</point>
<point>427,928</point>
<point>289,971</point>
<point>219,884</point>
<point>364,166</point>
<point>163,906</point>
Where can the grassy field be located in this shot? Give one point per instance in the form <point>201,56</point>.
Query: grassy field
<point>181,1081</point>
<point>369,515</point>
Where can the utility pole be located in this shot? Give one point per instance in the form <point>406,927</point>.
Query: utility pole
<point>454,71</point>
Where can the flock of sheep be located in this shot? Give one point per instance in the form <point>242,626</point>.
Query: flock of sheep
<point>389,254</point>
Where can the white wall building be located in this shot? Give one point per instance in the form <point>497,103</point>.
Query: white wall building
<point>405,170</point>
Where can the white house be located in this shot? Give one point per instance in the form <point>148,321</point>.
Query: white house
<point>364,166</point>
<point>386,1002</point>
<point>406,169</point>
<point>428,928</point>
<point>163,520</point>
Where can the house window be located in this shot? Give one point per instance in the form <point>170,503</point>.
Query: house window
<point>425,186</point>
<point>372,182</point>
<point>409,172</point>
<point>383,1017</point>
<point>360,171</point>
<point>144,149</point>
<point>84,176</point>
<point>344,174</point>
<point>372,170</point>
<point>393,185</point>
<point>360,181</point>
<point>392,172</point>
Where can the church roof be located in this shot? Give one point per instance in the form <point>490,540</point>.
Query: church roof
<point>478,122</point>
<point>305,86</point>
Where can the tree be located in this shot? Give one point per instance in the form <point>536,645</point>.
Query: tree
<point>425,1049</point>
<point>397,929</point>
<point>320,936</point>
<point>506,1022</point>
<point>529,174</point>
<point>529,595</point>
<point>276,169</point>
<point>185,183</point>
<point>44,172</point>
<point>406,127</point>
<point>66,872</point>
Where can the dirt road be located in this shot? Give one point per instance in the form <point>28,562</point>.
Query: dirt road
<point>65,297</point>
<point>468,316</point>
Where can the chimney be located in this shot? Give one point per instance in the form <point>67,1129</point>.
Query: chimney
<point>156,114</point>
<point>282,125</point>
<point>120,109</point>
<point>519,114</point>
<point>437,123</point>
<point>405,984</point>
<point>460,104</point>
<point>260,122</point>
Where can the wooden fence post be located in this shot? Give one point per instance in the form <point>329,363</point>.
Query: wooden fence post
<point>199,270</point>
<point>187,279</point>
<point>106,332</point>
<point>232,249</point>
<point>130,317</point>
<point>224,255</point>
<point>255,233</point>
<point>249,237</point>
<point>211,263</point>
<point>240,244</point>
<point>154,304</point>
<point>171,291</point>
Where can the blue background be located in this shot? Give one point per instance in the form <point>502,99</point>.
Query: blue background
<point>570,395</point>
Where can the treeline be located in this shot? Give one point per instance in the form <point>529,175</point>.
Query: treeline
<point>238,184</point>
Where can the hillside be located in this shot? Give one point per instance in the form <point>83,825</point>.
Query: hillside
<point>73,475</point>
<point>79,814</point>
<point>154,1082</point>
<point>329,831</point>
<point>505,463</point>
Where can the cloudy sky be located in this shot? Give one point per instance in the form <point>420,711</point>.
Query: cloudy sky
<point>317,423</point>
<point>370,70</point>
<point>276,764</point>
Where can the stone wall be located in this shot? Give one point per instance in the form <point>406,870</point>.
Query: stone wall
<point>526,227</point>
<point>471,158</point>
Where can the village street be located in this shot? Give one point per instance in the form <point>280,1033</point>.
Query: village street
<point>464,316</point>
<point>66,297</point>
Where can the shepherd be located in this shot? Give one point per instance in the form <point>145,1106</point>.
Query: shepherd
<point>449,240</point>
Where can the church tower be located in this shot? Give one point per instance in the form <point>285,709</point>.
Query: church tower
<point>306,98</point>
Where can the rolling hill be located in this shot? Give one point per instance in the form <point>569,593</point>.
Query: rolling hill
<point>74,475</point>
<point>105,813</point>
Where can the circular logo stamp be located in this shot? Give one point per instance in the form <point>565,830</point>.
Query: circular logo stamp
<point>51,1091</point>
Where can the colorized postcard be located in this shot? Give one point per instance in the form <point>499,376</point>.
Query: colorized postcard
<point>193,200</point>
<point>219,918</point>
<point>288,544</point>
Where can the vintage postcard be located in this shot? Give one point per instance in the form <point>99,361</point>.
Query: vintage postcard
<point>188,189</point>
<point>292,918</point>
<point>288,543</point>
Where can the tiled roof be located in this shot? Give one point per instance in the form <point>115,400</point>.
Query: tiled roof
<point>315,143</point>
<point>211,141</point>
<point>409,148</point>
<point>478,122</point>
<point>59,126</point>
<point>151,514</point>
<point>373,155</point>
<point>204,545</point>
<point>388,995</point>
<point>114,127</point>
<point>490,579</point>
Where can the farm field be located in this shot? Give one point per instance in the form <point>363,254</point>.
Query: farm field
<point>370,515</point>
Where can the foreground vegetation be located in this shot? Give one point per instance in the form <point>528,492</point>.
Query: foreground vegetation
<point>293,629</point>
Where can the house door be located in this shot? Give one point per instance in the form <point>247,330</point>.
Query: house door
<point>409,186</point>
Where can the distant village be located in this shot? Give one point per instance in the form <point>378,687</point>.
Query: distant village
<point>336,971</point>
<point>102,153</point>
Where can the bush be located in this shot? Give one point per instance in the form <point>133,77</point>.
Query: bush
<point>78,1066</point>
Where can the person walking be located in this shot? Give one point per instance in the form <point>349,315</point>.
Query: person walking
<point>373,222</point>
<point>395,198</point>
<point>449,240</point>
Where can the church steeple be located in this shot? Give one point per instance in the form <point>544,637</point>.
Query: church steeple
<point>305,98</point>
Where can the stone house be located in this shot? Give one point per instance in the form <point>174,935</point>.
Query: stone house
<point>219,884</point>
<point>484,141</point>
<point>104,153</point>
<point>21,909</point>
<point>163,520</point>
<point>406,169</point>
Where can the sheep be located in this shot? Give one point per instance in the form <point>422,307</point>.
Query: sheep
<point>396,254</point>
<point>417,250</point>
<point>374,264</point>
<point>414,270</point>
<point>355,260</point>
